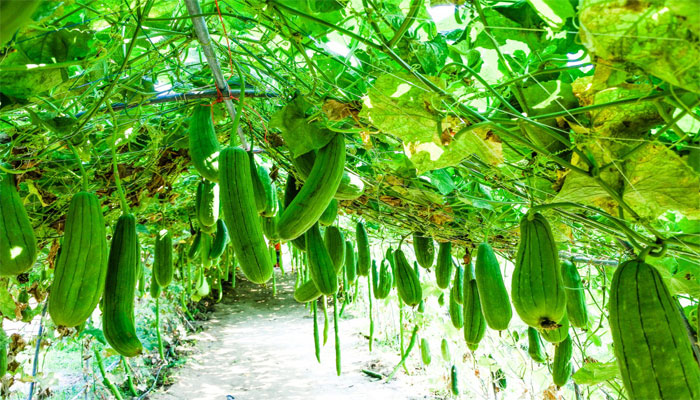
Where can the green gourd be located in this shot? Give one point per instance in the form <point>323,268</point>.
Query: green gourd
<point>455,310</point>
<point>207,204</point>
<point>561,365</point>
<point>118,322</point>
<point>384,280</point>
<point>650,340</point>
<point>537,288</point>
<point>575,296</point>
<point>556,335</point>
<point>474,322</point>
<point>424,247</point>
<point>17,240</point>
<point>407,283</point>
<point>258,189</point>
<point>350,264</point>
<point>81,267</point>
<point>195,248</point>
<point>335,243</point>
<point>494,297</point>
<point>270,203</point>
<point>163,259</point>
<point>363,253</point>
<point>425,351</point>
<point>317,192</point>
<point>154,288</point>
<point>238,203</point>
<point>204,146</point>
<point>534,347</point>
<point>290,192</point>
<point>321,267</point>
<point>307,292</point>
<point>329,213</point>
<point>445,266</point>
<point>221,240</point>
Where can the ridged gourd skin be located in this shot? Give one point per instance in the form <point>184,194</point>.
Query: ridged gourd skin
<point>118,300</point>
<point>425,351</point>
<point>537,288</point>
<point>204,259</point>
<point>238,203</point>
<point>457,285</point>
<point>575,296</point>
<point>163,259</point>
<point>207,204</point>
<point>561,365</point>
<point>17,240</point>
<point>455,309</point>
<point>363,252</point>
<point>306,292</point>
<point>290,192</point>
<point>14,15</point>
<point>350,188</point>
<point>474,322</point>
<point>534,345</point>
<point>3,353</point>
<point>204,146</point>
<point>258,188</point>
<point>444,267</point>
<point>407,283</point>
<point>382,280</point>
<point>329,213</point>
<point>494,297</point>
<point>221,240</point>
<point>81,267</point>
<point>154,288</point>
<point>195,246</point>
<point>335,243</point>
<point>650,340</point>
<point>350,264</point>
<point>269,224</point>
<point>454,380</point>
<point>321,267</point>
<point>317,192</point>
<point>271,203</point>
<point>445,350</point>
<point>558,334</point>
<point>424,247</point>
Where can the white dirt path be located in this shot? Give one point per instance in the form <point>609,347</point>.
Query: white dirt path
<point>257,347</point>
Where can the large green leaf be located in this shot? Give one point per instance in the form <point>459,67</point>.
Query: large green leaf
<point>300,135</point>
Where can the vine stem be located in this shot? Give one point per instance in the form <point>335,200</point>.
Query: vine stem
<point>105,380</point>
<point>36,351</point>
<point>200,28</point>
<point>160,339</point>
<point>117,179</point>
<point>407,22</point>
<point>405,356</point>
<point>83,174</point>
<point>129,377</point>
<point>139,18</point>
<point>239,111</point>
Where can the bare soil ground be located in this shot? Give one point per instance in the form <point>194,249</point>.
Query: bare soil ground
<point>259,347</point>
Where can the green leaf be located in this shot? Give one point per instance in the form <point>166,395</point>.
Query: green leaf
<point>300,135</point>
<point>402,106</point>
<point>658,180</point>
<point>553,12</point>
<point>7,303</point>
<point>595,373</point>
<point>432,54</point>
<point>442,181</point>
